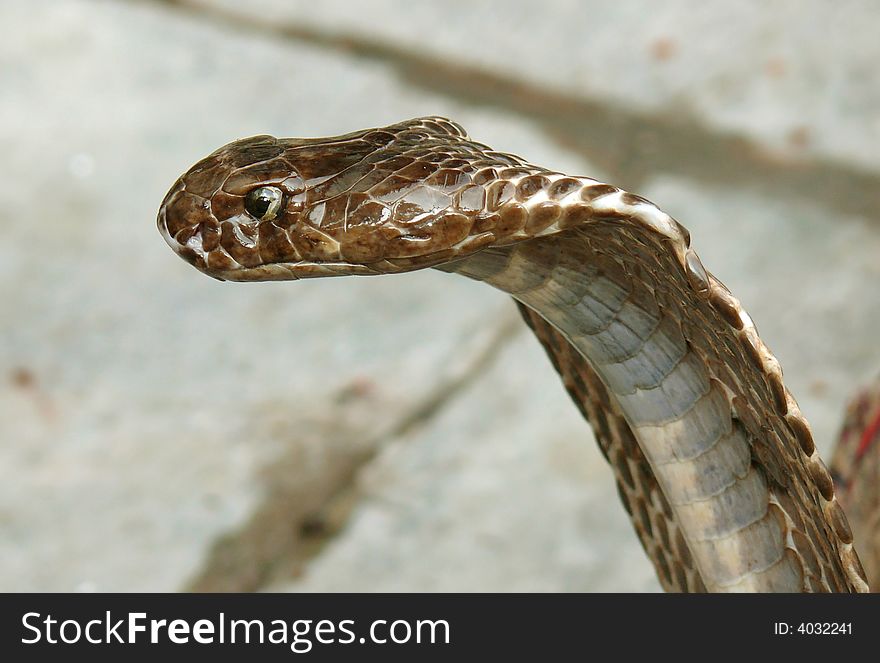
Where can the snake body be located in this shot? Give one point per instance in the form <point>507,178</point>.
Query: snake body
<point>714,462</point>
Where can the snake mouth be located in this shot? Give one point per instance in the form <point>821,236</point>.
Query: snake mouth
<point>281,271</point>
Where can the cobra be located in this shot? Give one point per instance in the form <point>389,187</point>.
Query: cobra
<point>715,464</point>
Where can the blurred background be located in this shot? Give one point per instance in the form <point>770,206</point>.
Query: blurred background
<point>163,431</point>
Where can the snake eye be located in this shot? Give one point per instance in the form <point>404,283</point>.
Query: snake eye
<point>263,203</point>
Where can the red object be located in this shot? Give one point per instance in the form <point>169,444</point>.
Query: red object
<point>868,436</point>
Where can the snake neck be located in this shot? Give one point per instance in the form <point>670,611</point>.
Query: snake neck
<point>755,510</point>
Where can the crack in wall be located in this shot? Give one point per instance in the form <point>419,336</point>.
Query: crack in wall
<point>305,505</point>
<point>629,145</point>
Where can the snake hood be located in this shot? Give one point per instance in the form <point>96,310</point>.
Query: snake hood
<point>403,197</point>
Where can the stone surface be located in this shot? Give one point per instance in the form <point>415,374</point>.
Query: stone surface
<point>161,431</point>
<point>490,497</point>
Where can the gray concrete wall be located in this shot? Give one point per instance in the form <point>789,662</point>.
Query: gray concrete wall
<point>162,431</point>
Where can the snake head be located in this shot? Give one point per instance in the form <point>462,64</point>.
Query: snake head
<point>399,198</point>
<point>226,213</point>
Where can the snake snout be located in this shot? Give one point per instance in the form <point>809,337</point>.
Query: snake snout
<point>185,221</point>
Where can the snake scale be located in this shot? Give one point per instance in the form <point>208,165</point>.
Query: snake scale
<point>713,460</point>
